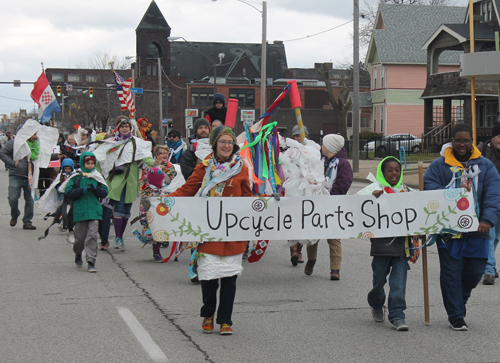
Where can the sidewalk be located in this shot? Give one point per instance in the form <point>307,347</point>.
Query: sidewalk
<point>410,174</point>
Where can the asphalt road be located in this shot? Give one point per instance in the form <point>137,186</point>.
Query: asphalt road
<point>135,310</point>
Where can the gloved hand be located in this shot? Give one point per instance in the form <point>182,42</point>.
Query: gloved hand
<point>85,190</point>
<point>276,196</point>
<point>92,186</point>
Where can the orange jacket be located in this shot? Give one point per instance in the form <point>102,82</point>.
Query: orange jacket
<point>237,186</point>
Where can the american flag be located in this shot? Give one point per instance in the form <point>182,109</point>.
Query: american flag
<point>124,95</point>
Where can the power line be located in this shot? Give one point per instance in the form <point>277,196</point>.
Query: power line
<point>15,99</point>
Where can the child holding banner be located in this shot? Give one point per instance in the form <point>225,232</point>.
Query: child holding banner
<point>390,255</point>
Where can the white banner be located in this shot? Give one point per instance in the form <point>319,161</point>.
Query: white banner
<point>318,217</point>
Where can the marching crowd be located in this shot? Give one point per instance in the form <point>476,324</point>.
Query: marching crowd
<point>101,176</point>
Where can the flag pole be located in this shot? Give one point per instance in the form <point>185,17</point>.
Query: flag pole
<point>424,252</point>
<point>43,70</point>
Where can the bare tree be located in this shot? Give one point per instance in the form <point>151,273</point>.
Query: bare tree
<point>101,60</point>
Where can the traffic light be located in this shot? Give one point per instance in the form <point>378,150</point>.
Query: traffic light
<point>91,92</point>
<point>170,125</point>
<point>58,91</point>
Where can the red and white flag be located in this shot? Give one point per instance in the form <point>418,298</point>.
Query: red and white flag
<point>124,95</point>
<point>43,95</point>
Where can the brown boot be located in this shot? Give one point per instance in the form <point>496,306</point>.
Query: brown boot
<point>299,252</point>
<point>335,275</point>
<point>309,267</point>
<point>294,254</point>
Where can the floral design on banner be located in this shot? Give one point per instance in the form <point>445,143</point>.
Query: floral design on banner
<point>433,205</point>
<point>451,194</point>
<point>465,221</point>
<point>463,203</point>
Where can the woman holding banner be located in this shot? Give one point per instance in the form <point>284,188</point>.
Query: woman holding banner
<point>221,174</point>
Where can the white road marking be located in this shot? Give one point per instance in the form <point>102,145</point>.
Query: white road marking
<point>142,336</point>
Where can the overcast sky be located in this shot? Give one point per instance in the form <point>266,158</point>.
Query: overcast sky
<point>62,33</point>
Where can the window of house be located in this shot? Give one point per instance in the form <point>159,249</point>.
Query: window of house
<point>74,77</point>
<point>381,77</point>
<point>374,78</point>
<point>245,97</point>
<point>365,121</point>
<point>486,113</point>
<point>349,119</point>
<point>382,119</point>
<point>486,10</point>
<point>202,97</point>
<point>57,77</point>
<point>91,77</point>
<point>374,118</point>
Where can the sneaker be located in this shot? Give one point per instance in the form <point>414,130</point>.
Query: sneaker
<point>378,315</point>
<point>158,258</point>
<point>489,280</point>
<point>91,267</point>
<point>78,260</point>
<point>309,267</point>
<point>119,245</point>
<point>29,226</point>
<point>294,259</point>
<point>399,325</point>
<point>104,246</point>
<point>208,324</point>
<point>13,222</point>
<point>62,228</point>
<point>225,329</point>
<point>335,275</point>
<point>458,324</point>
<point>71,237</point>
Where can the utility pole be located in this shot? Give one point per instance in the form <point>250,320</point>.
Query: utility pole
<point>355,101</point>
<point>263,73</point>
<point>160,101</point>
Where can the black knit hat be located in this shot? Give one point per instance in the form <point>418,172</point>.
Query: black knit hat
<point>201,122</point>
<point>219,97</point>
<point>495,131</point>
<point>174,132</point>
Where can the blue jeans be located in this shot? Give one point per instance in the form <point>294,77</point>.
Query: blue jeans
<point>491,265</point>
<point>121,209</point>
<point>398,269</point>
<point>105,223</point>
<point>457,279</point>
<point>16,184</point>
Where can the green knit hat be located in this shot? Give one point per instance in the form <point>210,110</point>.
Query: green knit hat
<point>219,131</point>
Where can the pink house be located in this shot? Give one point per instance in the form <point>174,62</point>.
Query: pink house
<point>398,65</point>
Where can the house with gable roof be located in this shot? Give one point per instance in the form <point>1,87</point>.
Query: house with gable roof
<point>398,64</point>
<point>450,87</point>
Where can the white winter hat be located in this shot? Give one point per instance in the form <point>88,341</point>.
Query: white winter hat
<point>333,143</point>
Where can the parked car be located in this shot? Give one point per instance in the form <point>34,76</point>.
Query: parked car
<point>393,142</point>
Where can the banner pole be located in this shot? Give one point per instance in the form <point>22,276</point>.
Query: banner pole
<point>424,252</point>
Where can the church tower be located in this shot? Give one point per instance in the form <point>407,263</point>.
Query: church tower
<point>152,43</point>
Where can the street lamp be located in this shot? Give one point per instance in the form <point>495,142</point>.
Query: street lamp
<point>263,75</point>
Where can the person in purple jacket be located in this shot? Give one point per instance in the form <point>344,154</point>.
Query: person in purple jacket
<point>338,180</point>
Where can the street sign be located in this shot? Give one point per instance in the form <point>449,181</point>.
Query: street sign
<point>248,116</point>
<point>136,90</point>
<point>189,122</point>
<point>69,87</point>
<point>191,112</point>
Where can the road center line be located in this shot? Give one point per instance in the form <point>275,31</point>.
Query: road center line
<point>142,336</point>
